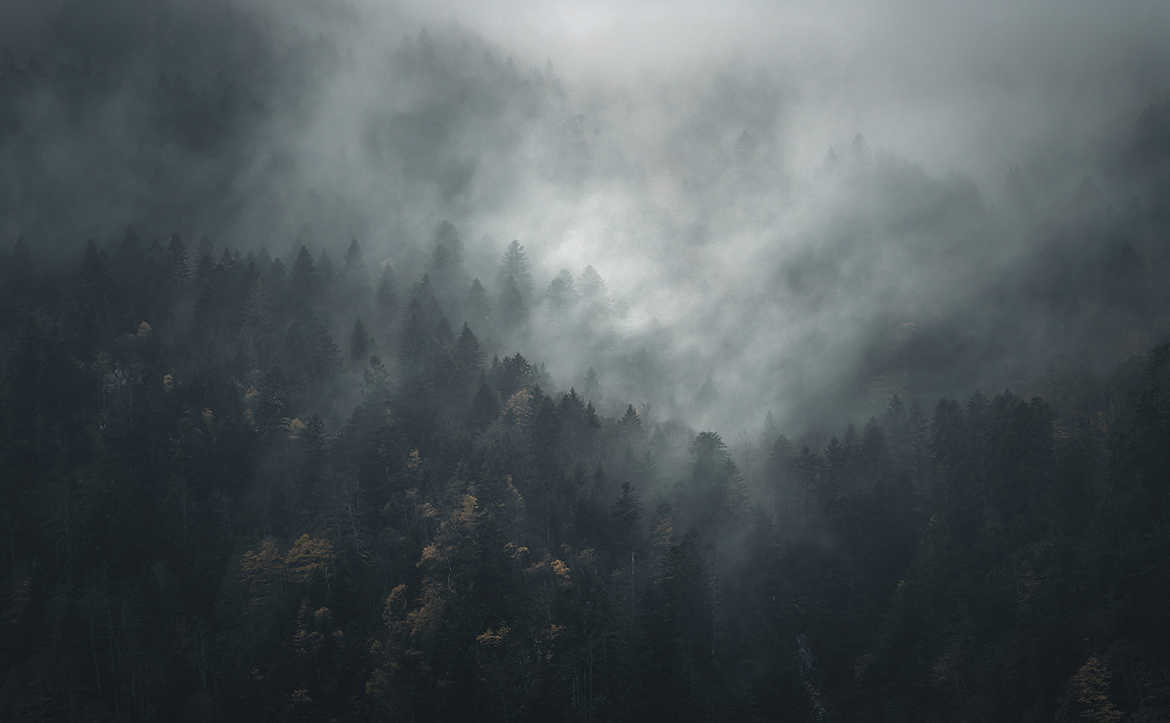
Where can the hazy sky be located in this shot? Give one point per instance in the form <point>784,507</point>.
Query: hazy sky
<point>805,205</point>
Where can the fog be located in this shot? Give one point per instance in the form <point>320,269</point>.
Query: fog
<point>795,210</point>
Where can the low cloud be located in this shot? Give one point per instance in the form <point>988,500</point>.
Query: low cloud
<point>798,211</point>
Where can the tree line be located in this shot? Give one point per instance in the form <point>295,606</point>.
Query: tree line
<point>244,486</point>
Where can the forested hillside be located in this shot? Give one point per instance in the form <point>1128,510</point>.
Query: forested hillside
<point>237,486</point>
<point>437,360</point>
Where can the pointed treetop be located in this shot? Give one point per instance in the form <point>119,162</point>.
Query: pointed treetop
<point>515,267</point>
<point>467,350</point>
<point>591,286</point>
<point>353,255</point>
<point>561,290</point>
<point>359,342</point>
<point>303,264</point>
<point>631,417</point>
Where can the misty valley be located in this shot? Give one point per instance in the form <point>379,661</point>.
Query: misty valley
<point>376,361</point>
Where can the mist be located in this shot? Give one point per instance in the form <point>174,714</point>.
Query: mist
<point>517,361</point>
<point>794,211</point>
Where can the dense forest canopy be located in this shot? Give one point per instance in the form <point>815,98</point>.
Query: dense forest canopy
<point>377,362</point>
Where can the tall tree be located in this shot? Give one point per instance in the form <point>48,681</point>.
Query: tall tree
<point>360,344</point>
<point>514,272</point>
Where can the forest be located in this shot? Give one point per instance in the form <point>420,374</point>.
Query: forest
<point>440,361</point>
<point>237,486</point>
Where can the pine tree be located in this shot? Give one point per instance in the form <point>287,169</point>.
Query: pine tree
<point>592,287</point>
<point>360,345</point>
<point>353,257</point>
<point>484,407</point>
<point>631,420</point>
<point>561,293</point>
<point>512,311</point>
<point>468,355</point>
<point>303,279</point>
<point>478,310</point>
<point>626,515</point>
<point>514,267</point>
